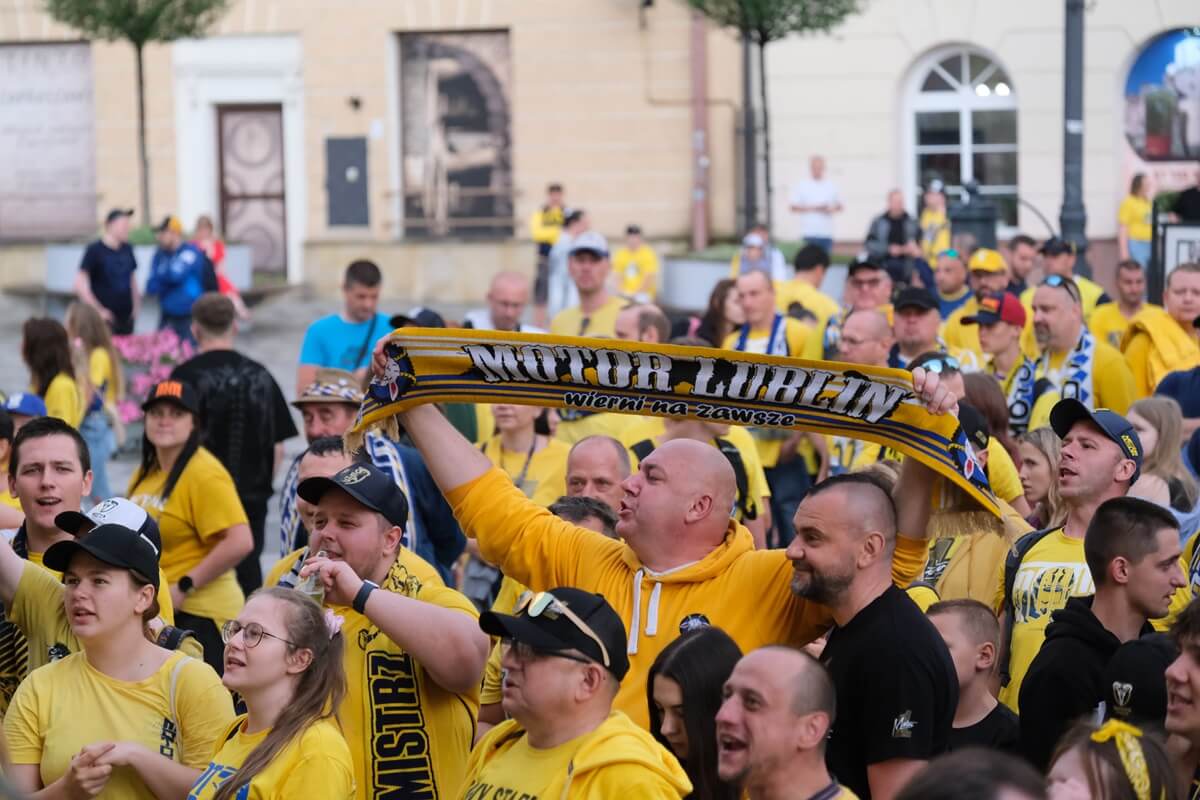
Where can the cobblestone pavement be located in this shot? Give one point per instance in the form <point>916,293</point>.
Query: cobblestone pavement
<point>272,338</point>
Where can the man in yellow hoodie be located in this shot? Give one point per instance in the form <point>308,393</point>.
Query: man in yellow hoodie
<point>682,561</point>
<point>1163,340</point>
<point>564,658</point>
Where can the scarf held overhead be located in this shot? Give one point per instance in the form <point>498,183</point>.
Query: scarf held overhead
<point>436,365</point>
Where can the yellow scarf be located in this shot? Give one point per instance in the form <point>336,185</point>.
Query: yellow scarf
<point>1174,348</point>
<point>434,365</point>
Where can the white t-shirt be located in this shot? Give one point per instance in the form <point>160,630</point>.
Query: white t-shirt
<point>815,193</point>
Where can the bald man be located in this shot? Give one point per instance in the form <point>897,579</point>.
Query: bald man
<point>895,683</point>
<point>643,323</point>
<point>681,560</point>
<point>507,298</point>
<point>596,467</point>
<point>771,729</point>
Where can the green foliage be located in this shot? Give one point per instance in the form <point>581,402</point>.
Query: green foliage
<point>765,21</point>
<point>138,21</point>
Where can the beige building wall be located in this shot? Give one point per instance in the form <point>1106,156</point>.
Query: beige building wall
<point>599,95</point>
<point>845,95</point>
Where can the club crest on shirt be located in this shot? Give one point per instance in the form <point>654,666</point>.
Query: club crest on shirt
<point>902,726</point>
<point>58,651</point>
<point>693,622</point>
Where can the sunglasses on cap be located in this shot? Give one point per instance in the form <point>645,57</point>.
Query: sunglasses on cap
<point>950,252</point>
<point>544,604</point>
<point>1059,282</point>
<point>942,364</point>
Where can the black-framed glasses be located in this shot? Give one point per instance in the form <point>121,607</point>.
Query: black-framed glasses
<point>544,604</point>
<point>526,653</point>
<point>1059,282</point>
<point>252,633</point>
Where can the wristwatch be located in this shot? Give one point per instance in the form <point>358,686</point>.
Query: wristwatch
<point>186,584</point>
<point>360,599</point>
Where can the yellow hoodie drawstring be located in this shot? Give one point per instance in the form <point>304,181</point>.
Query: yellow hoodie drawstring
<point>636,622</point>
<point>652,610</point>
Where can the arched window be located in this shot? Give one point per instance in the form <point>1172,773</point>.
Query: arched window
<point>963,126</point>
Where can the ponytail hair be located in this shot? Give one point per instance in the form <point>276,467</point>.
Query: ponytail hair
<point>318,694</point>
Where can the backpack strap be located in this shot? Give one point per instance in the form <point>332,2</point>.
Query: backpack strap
<point>1012,563</point>
<point>179,665</point>
<point>747,504</point>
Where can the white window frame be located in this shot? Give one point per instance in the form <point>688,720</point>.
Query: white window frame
<point>964,101</point>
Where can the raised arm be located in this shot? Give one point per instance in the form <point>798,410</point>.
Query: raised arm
<point>451,459</point>
<point>12,566</point>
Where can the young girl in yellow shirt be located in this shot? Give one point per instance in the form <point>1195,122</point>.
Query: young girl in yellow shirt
<point>47,354</point>
<point>98,372</point>
<point>283,655</point>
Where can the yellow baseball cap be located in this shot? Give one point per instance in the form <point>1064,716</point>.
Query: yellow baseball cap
<point>986,260</point>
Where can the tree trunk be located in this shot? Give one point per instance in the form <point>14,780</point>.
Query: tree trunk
<point>766,125</point>
<point>142,155</point>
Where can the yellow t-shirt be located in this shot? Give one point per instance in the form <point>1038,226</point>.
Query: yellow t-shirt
<point>637,270</point>
<point>796,334</point>
<point>1053,571</point>
<point>935,233</point>
<point>756,478</point>
<point>601,322</point>
<point>797,290</point>
<point>1002,472</point>
<point>602,423</point>
<point>6,497</point>
<point>1108,324</point>
<point>317,764</point>
<point>960,336</point>
<point>405,732</point>
<point>1134,214</point>
<point>203,504</point>
<point>1112,380</point>
<point>544,480</point>
<point>64,401</point>
<point>100,373</point>
<point>506,600</point>
<point>38,611</point>
<point>848,455</point>
<point>616,759</point>
<point>66,705</point>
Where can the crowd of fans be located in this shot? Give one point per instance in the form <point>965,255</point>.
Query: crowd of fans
<point>509,601</point>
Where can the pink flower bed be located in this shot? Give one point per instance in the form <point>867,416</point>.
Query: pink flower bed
<point>146,359</point>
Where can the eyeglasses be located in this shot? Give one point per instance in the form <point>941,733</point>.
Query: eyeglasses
<point>544,604</point>
<point>526,653</point>
<point>252,633</point>
<point>1059,282</point>
<point>942,364</point>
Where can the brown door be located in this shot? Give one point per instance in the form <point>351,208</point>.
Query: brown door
<point>250,142</point>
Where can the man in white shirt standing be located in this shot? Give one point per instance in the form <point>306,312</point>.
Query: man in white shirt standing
<point>816,200</point>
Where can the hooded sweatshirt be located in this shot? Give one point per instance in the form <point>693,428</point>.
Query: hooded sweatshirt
<point>1156,344</point>
<point>617,758</point>
<point>1064,682</point>
<point>743,591</point>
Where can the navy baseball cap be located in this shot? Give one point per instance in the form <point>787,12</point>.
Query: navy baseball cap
<point>367,484</point>
<point>117,213</point>
<point>1067,412</point>
<point>419,317</point>
<point>974,425</point>
<point>540,622</point>
<point>115,545</point>
<point>25,404</point>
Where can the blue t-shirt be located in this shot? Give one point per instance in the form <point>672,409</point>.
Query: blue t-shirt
<point>110,273</point>
<point>333,342</point>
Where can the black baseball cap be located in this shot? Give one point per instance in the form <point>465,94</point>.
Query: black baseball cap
<point>1056,246</point>
<point>915,297</point>
<point>1135,686</point>
<point>115,545</point>
<point>180,393</point>
<point>114,511</point>
<point>555,633</point>
<point>974,425</point>
<point>367,484</point>
<point>117,213</point>
<point>1067,412</point>
<point>419,317</point>
<point>865,261</point>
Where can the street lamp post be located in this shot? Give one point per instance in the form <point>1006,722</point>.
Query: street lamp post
<point>1073,218</point>
<point>749,135</point>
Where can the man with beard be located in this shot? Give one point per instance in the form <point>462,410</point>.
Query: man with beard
<point>894,712</point>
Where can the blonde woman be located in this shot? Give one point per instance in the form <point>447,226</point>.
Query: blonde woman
<point>1040,451</point>
<point>1159,424</point>
<point>98,372</point>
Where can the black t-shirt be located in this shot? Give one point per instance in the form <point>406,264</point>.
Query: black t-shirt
<point>244,415</point>
<point>896,689</point>
<point>898,229</point>
<point>109,274</point>
<point>999,730</point>
<point>1187,205</point>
